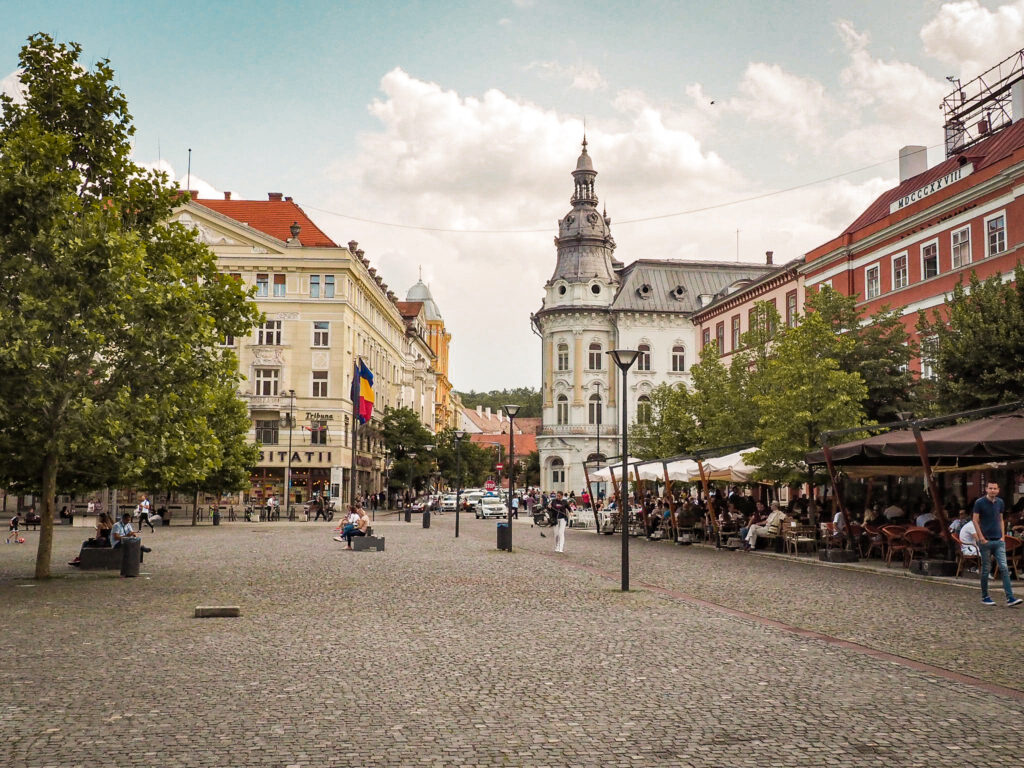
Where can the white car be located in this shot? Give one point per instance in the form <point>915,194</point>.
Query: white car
<point>448,503</point>
<point>491,506</point>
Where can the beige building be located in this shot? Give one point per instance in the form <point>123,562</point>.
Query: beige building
<point>325,306</point>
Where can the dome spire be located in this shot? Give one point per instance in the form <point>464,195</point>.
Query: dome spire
<point>584,176</point>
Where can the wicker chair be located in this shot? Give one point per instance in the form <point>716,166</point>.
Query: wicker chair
<point>894,542</point>
<point>916,541</point>
<point>1015,555</point>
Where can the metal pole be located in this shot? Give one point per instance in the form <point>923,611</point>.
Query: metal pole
<point>624,511</point>
<point>288,468</point>
<point>458,482</point>
<point>511,473</point>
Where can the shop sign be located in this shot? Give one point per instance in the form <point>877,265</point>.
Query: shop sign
<point>364,461</point>
<point>298,457</point>
<point>941,183</point>
<point>317,416</point>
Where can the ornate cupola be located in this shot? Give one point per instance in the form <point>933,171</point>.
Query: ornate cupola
<point>584,243</point>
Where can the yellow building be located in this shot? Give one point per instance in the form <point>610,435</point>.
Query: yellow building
<point>325,307</point>
<point>439,340</point>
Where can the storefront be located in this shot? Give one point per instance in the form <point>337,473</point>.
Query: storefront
<point>310,473</point>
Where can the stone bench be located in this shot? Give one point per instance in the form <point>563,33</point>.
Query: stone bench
<point>368,543</point>
<point>102,558</point>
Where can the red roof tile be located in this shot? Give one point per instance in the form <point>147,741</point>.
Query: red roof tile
<point>272,217</point>
<point>983,154</point>
<point>524,443</point>
<point>409,308</point>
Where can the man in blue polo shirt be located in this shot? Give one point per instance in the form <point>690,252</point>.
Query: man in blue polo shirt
<point>988,522</point>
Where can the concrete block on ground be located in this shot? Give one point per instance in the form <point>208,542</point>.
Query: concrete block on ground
<point>217,611</point>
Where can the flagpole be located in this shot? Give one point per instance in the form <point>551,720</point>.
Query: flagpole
<point>355,393</point>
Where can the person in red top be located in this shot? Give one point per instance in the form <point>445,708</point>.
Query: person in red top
<point>585,498</point>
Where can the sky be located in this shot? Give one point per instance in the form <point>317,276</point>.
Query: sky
<point>441,135</point>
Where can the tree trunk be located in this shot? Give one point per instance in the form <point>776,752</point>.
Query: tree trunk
<point>45,551</point>
<point>195,508</point>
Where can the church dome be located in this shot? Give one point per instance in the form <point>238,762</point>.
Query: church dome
<point>420,292</point>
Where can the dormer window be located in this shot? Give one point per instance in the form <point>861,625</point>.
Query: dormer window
<point>678,293</point>
<point>595,289</point>
<point>561,290</point>
<point>644,291</point>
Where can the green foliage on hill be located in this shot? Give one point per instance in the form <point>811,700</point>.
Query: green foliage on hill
<point>526,397</point>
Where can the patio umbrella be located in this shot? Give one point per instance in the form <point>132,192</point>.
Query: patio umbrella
<point>732,468</point>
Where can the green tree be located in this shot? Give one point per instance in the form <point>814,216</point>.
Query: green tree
<point>526,397</point>
<point>407,439</point>
<point>977,350</point>
<point>718,403</point>
<point>109,315</point>
<point>806,393</point>
<point>881,351</point>
<point>671,430</point>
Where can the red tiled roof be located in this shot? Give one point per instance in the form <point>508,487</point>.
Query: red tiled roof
<point>529,425</point>
<point>409,308</point>
<point>272,217</point>
<point>983,154</point>
<point>524,443</point>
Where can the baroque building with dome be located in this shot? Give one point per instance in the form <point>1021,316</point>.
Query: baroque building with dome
<point>594,303</point>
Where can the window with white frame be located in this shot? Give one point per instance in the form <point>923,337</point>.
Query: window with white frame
<point>279,286</point>
<point>318,432</point>
<point>735,332</point>
<point>557,472</point>
<point>563,357</point>
<point>643,410</point>
<point>643,360</point>
<point>678,359</point>
<point>960,247</point>
<point>594,411</point>
<point>900,272</point>
<point>314,286</point>
<point>995,234</point>
<point>266,382</point>
<point>262,285</point>
<point>562,410</point>
<point>791,310</point>
<point>319,383</point>
<point>929,260</point>
<point>872,284</point>
<point>228,341</point>
<point>929,355</point>
<point>321,333</point>
<point>705,338</point>
<point>328,286</point>
<point>595,357</point>
<point>269,334</point>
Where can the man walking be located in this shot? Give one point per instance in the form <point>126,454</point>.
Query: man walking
<point>561,509</point>
<point>988,523</point>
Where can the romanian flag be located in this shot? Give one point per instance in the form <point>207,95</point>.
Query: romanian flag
<point>362,392</point>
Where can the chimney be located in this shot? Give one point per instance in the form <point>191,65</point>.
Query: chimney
<point>479,410</point>
<point>287,199</point>
<point>913,161</point>
<point>194,194</point>
<point>353,245</point>
<point>227,195</point>
<point>487,411</point>
<point>768,257</point>
<point>275,197</point>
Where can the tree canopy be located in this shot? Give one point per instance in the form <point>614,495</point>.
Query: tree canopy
<point>526,397</point>
<point>111,315</point>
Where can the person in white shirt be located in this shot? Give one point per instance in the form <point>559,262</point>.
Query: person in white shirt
<point>892,512</point>
<point>771,526</point>
<point>923,519</point>
<point>969,539</point>
<point>959,522</point>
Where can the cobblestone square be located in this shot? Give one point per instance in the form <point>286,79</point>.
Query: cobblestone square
<point>444,652</point>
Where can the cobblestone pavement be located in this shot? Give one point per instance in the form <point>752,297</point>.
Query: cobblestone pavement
<point>440,652</point>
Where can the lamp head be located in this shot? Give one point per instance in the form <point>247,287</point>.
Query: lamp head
<point>624,358</point>
<point>460,435</point>
<point>510,410</point>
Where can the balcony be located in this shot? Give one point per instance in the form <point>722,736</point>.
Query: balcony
<point>268,402</point>
<point>583,430</point>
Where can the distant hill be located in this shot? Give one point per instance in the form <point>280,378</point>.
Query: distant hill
<point>527,398</point>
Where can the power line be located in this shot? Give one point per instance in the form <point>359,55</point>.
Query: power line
<point>687,212</point>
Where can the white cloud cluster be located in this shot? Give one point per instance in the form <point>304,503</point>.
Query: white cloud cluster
<point>972,38</point>
<point>11,86</point>
<point>583,77</point>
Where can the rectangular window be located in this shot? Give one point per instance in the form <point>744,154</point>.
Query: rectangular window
<point>720,337</point>
<point>735,332</point>
<point>236,276</point>
<point>706,338</point>
<point>595,357</point>
<point>791,314</point>
<point>995,234</point>
<point>900,273</point>
<point>314,286</point>
<point>563,358</point>
<point>961,247</point>
<point>228,341</point>
<point>929,353</point>
<point>871,283</point>
<point>319,383</point>
<point>318,432</point>
<point>266,382</point>
<point>267,431</point>
<point>279,285</point>
<point>269,334</point>
<point>678,359</point>
<point>262,285</point>
<point>929,260</point>
<point>321,333</point>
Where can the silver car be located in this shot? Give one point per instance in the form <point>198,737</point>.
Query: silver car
<point>491,506</point>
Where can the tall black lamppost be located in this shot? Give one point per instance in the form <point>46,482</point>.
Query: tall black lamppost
<point>411,455</point>
<point>624,358</point>
<point>288,467</point>
<point>460,435</point>
<point>600,407</point>
<point>511,411</point>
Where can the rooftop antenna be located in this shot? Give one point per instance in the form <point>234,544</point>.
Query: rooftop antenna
<point>737,245</point>
<point>421,273</point>
<point>188,182</point>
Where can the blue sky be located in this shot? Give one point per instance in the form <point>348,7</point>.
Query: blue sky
<point>467,115</point>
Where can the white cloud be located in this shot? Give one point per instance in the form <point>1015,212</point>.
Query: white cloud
<point>973,38</point>
<point>580,76</point>
<point>11,86</point>
<point>769,94</point>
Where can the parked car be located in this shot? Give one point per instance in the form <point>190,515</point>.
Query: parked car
<point>448,503</point>
<point>491,506</point>
<point>472,498</point>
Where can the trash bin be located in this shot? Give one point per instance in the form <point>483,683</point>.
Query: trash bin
<point>408,515</point>
<point>504,537</point>
<point>216,517</point>
<point>426,518</point>
<point>131,554</point>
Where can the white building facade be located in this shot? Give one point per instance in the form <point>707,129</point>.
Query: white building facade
<point>594,303</point>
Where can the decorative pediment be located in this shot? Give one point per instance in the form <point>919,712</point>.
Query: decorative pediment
<point>207,234</point>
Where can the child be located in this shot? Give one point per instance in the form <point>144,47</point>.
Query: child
<point>12,531</point>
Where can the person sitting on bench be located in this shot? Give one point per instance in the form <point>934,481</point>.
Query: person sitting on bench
<point>104,525</point>
<point>771,526</point>
<point>123,530</point>
<point>361,526</point>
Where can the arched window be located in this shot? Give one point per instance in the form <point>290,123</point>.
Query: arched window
<point>557,473</point>
<point>594,412</point>
<point>595,356</point>
<point>643,360</point>
<point>643,410</point>
<point>562,409</point>
<point>563,357</point>
<point>678,359</point>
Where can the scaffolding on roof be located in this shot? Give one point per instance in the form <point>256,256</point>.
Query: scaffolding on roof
<point>979,108</point>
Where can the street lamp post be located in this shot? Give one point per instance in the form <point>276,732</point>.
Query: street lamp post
<point>511,411</point>
<point>411,455</point>
<point>624,358</point>
<point>460,435</point>
<point>288,467</point>
<point>600,408</point>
